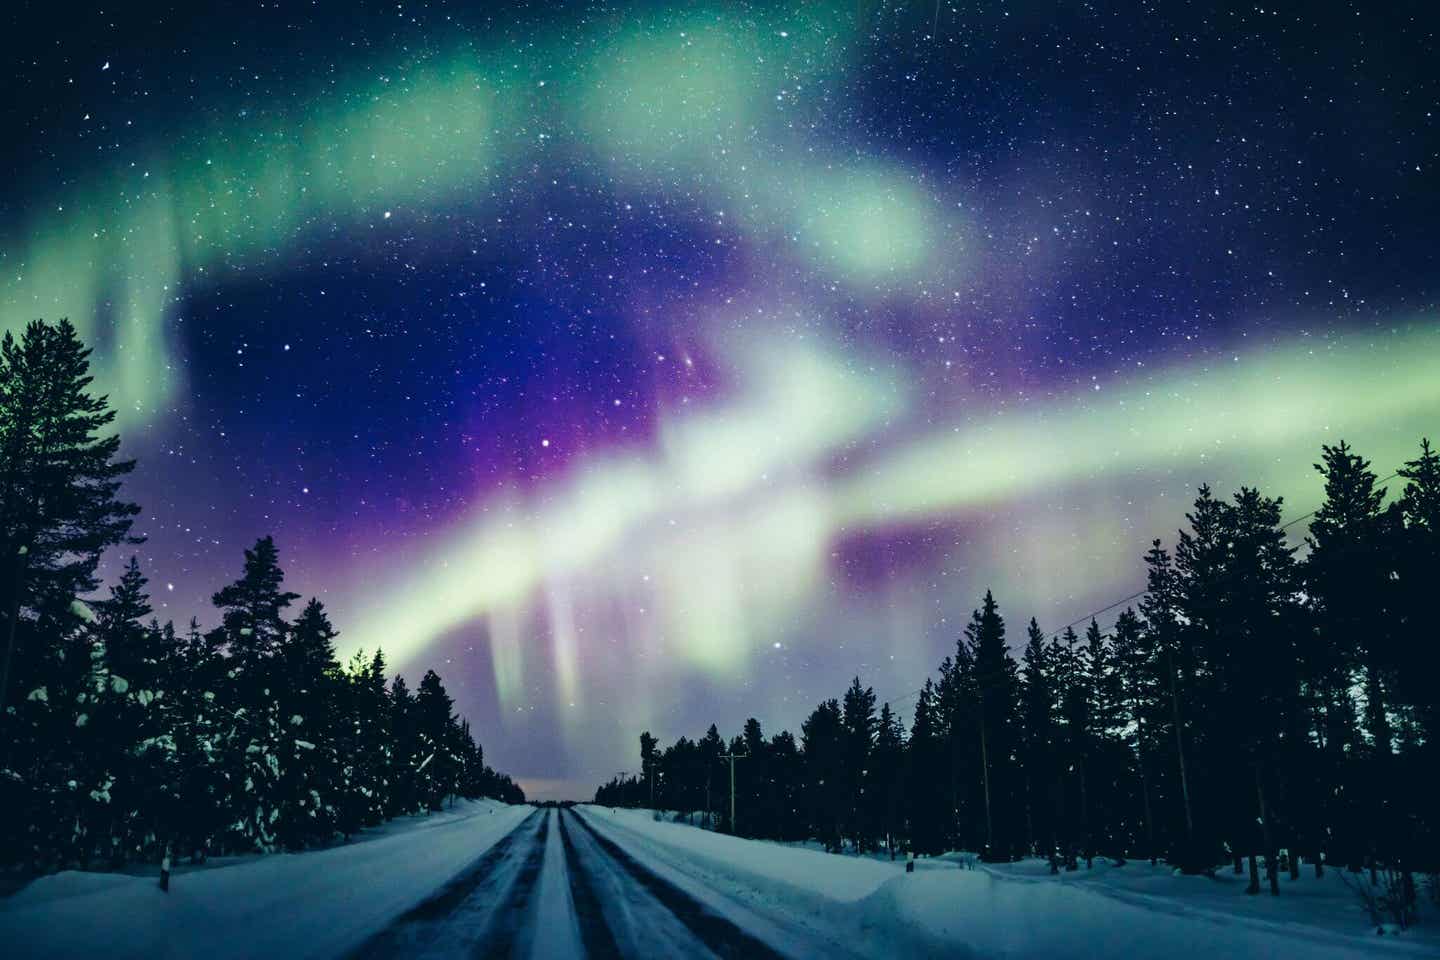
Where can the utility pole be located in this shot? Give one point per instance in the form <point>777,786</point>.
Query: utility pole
<point>731,757</point>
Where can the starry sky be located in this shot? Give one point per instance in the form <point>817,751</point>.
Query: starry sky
<point>648,365</point>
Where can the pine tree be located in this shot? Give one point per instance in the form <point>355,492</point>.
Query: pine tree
<point>859,722</point>
<point>251,610</point>
<point>927,802</point>
<point>887,778</point>
<point>60,509</point>
<point>1038,699</point>
<point>995,685</point>
<point>439,767</point>
<point>201,785</point>
<point>376,744</point>
<point>786,772</point>
<point>255,746</point>
<point>1076,700</point>
<point>822,738</point>
<point>312,781</point>
<point>1138,686</point>
<point>758,792</point>
<point>59,488</point>
<point>647,763</point>
<point>1255,653</point>
<point>130,720</point>
<point>709,750</point>
<point>1347,576</point>
<point>133,650</point>
<point>1107,769</point>
<point>1419,570</point>
<point>1166,635</point>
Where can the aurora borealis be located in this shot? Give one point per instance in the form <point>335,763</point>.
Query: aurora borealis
<point>643,365</point>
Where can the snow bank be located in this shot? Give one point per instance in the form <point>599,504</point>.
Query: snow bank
<point>837,878</point>
<point>876,909</point>
<point>994,916</point>
<point>314,904</point>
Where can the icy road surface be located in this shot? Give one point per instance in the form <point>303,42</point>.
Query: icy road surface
<point>558,887</point>
<point>489,880</point>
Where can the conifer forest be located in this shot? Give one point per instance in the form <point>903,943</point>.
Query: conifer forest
<point>129,739</point>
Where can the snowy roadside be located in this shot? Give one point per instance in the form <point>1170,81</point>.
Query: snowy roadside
<point>314,904</point>
<point>879,910</point>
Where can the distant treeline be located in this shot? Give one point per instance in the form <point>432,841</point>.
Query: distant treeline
<point>122,739</point>
<point>1258,699</point>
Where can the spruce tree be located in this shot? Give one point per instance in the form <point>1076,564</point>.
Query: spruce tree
<point>822,738</point>
<point>60,509</point>
<point>786,772</point>
<point>995,686</point>
<point>1418,663</point>
<point>255,744</point>
<point>312,781</point>
<point>927,798</point>
<point>709,750</point>
<point>438,768</point>
<point>1139,689</point>
<point>758,792</point>
<point>887,778</point>
<point>647,764</point>
<point>860,728</point>
<point>1254,654</point>
<point>1348,581</point>
<point>1038,699</point>
<point>1166,635</point>
<point>376,745</point>
<point>1076,700</point>
<point>59,492</point>
<point>201,784</point>
<point>405,755</point>
<point>1107,769</point>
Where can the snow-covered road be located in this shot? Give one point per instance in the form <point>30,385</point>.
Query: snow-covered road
<point>557,887</point>
<point>489,880</point>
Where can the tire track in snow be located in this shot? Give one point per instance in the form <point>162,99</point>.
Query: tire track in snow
<point>510,918</point>
<point>418,928</point>
<point>719,934</point>
<point>599,938</point>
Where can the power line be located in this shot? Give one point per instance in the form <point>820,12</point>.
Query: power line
<point>1140,593</point>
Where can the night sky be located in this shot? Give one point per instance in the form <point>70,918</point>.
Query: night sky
<point>647,366</point>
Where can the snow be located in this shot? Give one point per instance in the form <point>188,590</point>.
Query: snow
<point>798,900</point>
<point>557,933</point>
<point>315,904</point>
<point>873,908</point>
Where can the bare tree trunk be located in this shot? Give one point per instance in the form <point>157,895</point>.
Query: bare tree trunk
<point>1266,839</point>
<point>12,619</point>
<point>1144,786</point>
<point>1085,817</point>
<point>1180,752</point>
<point>985,772</point>
<point>1029,816</point>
